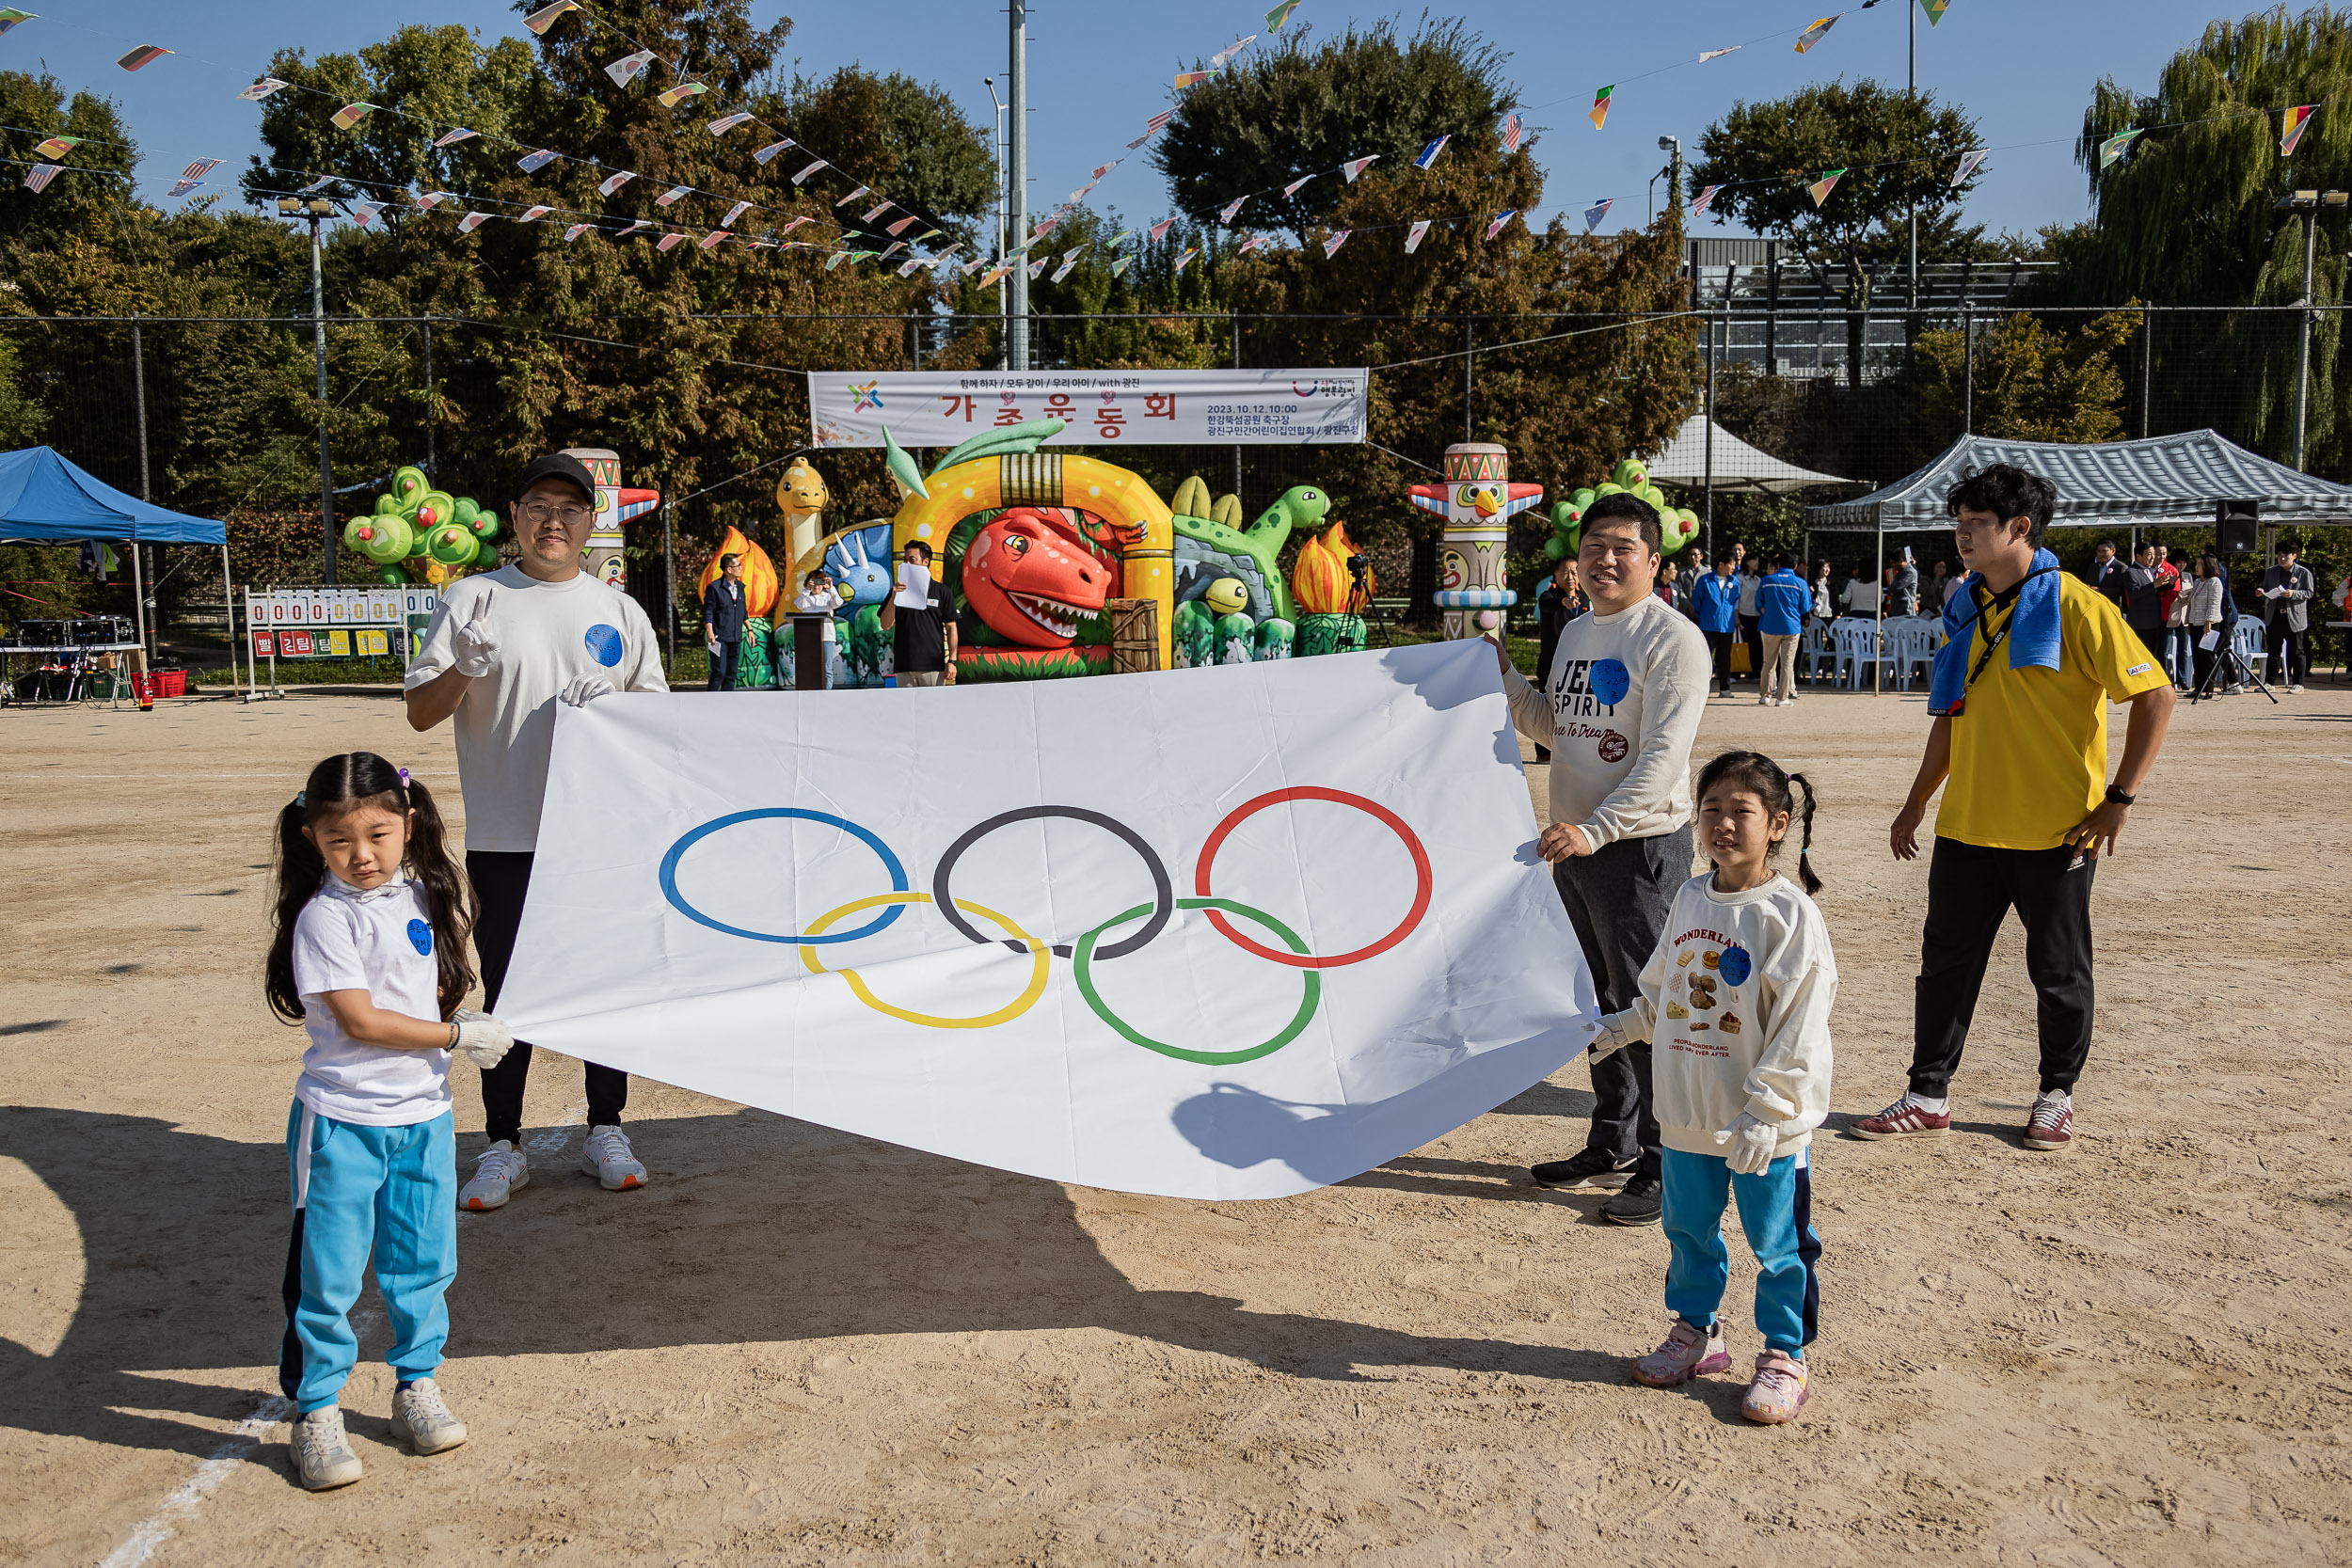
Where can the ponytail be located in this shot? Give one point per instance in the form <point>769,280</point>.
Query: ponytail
<point>336,785</point>
<point>1805,879</point>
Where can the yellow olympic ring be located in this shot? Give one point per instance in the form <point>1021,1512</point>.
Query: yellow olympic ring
<point>1042,960</point>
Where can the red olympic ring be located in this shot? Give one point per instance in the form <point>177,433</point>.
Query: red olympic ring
<point>1311,792</point>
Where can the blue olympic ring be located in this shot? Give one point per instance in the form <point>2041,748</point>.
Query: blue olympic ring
<point>677,852</point>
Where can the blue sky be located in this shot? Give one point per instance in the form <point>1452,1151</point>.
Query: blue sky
<point>2025,69</point>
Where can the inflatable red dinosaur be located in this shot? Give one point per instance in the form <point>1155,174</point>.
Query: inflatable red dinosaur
<point>1031,576</point>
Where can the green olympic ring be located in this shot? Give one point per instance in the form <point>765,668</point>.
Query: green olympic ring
<point>1082,965</point>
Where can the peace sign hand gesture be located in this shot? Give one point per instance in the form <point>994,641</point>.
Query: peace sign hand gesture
<point>477,642</point>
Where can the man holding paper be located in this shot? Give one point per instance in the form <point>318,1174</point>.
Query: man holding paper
<point>2288,590</point>
<point>923,632</point>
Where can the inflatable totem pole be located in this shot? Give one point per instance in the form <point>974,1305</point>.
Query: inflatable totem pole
<point>1477,502</point>
<point>615,506</point>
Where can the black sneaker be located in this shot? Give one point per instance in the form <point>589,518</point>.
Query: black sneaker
<point>1637,1205</point>
<point>1594,1167</point>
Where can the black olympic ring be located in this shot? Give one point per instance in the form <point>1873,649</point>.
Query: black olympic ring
<point>1163,891</point>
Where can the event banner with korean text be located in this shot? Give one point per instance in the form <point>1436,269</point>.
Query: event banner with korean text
<point>1233,932</point>
<point>1136,408</point>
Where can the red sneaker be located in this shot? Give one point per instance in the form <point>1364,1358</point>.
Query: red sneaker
<point>1901,1121</point>
<point>2052,1124</point>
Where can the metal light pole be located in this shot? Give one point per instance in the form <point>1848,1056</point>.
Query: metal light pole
<point>316,210</point>
<point>1673,168</point>
<point>1913,12</point>
<point>2309,204</point>
<point>990,82</point>
<point>1017,186</point>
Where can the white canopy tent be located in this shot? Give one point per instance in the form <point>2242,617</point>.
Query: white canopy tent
<point>1731,465</point>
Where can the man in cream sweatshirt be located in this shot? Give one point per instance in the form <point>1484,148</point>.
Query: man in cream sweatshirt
<point>1619,708</point>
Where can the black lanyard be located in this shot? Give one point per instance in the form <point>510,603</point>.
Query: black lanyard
<point>1993,639</point>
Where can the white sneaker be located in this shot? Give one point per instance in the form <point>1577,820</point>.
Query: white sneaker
<point>1763,701</point>
<point>422,1420</point>
<point>497,1173</point>
<point>608,1158</point>
<point>321,1454</point>
<point>2294,689</point>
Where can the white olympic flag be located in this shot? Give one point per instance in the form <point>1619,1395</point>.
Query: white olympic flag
<point>1132,409</point>
<point>1233,932</point>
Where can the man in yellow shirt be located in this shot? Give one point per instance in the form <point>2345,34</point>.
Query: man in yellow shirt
<point>2021,734</point>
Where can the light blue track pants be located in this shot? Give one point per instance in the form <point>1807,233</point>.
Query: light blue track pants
<point>391,1191</point>
<point>1775,1210</point>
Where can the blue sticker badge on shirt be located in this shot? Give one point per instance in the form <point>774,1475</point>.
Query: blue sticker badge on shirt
<point>1610,681</point>
<point>420,937</point>
<point>604,645</point>
<point>1734,966</point>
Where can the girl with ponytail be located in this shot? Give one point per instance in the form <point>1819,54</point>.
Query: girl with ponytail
<point>1737,999</point>
<point>369,955</point>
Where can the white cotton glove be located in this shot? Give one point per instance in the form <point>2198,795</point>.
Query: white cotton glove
<point>1753,1144</point>
<point>587,689</point>
<point>483,1040</point>
<point>477,642</point>
<point>1609,1038</point>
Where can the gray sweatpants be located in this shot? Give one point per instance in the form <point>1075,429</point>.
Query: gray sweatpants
<point>1617,898</point>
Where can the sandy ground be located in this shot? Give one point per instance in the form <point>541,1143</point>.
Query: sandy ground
<point>799,1346</point>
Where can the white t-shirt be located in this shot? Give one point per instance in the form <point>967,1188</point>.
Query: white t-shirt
<point>1619,708</point>
<point>379,941</point>
<point>1749,583</point>
<point>548,633</point>
<point>1735,1002</point>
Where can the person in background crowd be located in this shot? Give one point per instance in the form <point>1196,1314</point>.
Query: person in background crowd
<point>1861,595</point>
<point>1951,574</point>
<point>2209,615</point>
<point>1562,601</point>
<point>923,639</point>
<point>2180,642</point>
<point>1751,574</point>
<point>1825,597</point>
<point>1939,583</point>
<point>2105,572</point>
<point>1715,605</point>
<point>2287,591</point>
<point>818,596</point>
<point>723,613</point>
<point>2144,596</point>
<point>1692,567</point>
<point>1781,601</point>
<point>1903,586</point>
<point>1669,587</point>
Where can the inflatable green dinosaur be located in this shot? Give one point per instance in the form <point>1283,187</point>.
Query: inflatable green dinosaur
<point>1210,544</point>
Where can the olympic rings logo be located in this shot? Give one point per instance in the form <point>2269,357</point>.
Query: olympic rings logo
<point>1089,949</point>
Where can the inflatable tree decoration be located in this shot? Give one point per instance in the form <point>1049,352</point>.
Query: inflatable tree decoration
<point>419,535</point>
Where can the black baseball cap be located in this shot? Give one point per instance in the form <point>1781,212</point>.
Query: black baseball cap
<point>563,466</point>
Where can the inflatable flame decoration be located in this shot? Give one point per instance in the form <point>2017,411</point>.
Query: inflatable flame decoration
<point>760,588</point>
<point>1321,582</point>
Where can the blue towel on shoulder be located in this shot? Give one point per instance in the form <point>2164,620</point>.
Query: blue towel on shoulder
<point>2033,634</point>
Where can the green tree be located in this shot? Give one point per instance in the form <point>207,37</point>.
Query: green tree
<point>86,198</point>
<point>1305,107</point>
<point>1898,150</point>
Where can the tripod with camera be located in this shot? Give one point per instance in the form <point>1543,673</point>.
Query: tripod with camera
<point>1360,602</point>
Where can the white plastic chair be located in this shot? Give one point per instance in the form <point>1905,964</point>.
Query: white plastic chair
<point>1815,649</point>
<point>1910,641</point>
<point>1856,642</point>
<point>2245,641</point>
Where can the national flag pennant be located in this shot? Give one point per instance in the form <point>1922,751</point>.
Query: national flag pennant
<point>1037,266</point>
<point>1225,214</point>
<point>1706,55</point>
<point>733,212</point>
<point>926,235</point>
<point>1599,114</point>
<point>634,225</point>
<point>532,215</point>
<point>576,230</point>
<point>55,147</point>
<point>1354,167</point>
<point>1705,199</point>
<point>1816,33</point>
<point>532,163</point>
<point>544,18</point>
<point>37,178</point>
<point>898,227</point>
<point>968,268</point>
<point>811,169</point>
<point>351,115</point>
<point>1820,188</point>
<point>1935,9</point>
<point>1514,129</point>
<point>615,180</point>
<point>1159,229</point>
<point>724,124</point>
<point>144,55</point>
<point>1413,236</point>
<point>431,199</point>
<point>1122,238</point>
<point>1331,245</point>
<point>1043,228</point>
<point>1502,221</point>
<point>769,151</point>
<point>1225,54</point>
<point>995,274</point>
<point>1280,14</point>
<point>670,241</point>
<point>1292,189</point>
<point>316,185</point>
<point>1121,266</point>
<point>1596,212</point>
<point>835,260</point>
<point>1429,154</point>
<point>1253,243</point>
<point>624,70</point>
<point>946,259</point>
<point>2292,127</point>
<point>1096,177</point>
<point>2116,146</point>
<point>472,221</point>
<point>363,213</point>
<point>1185,260</point>
<point>862,190</point>
<point>450,139</point>
<point>673,195</point>
<point>1192,78</point>
<point>262,89</point>
<point>872,212</point>
<point>716,237</point>
<point>10,16</point>
<point>1068,262</point>
<point>894,246</point>
<point>198,170</point>
<point>1968,161</point>
<point>794,224</point>
<point>1151,127</point>
<point>906,268</point>
<point>671,97</point>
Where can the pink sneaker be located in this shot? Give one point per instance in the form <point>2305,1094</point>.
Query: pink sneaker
<point>1688,1352</point>
<point>1779,1390</point>
<point>1901,1119</point>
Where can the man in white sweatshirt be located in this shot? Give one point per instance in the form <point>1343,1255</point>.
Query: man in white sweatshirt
<point>1620,709</point>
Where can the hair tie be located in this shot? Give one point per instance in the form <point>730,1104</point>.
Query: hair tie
<point>300,798</point>
<point>404,778</point>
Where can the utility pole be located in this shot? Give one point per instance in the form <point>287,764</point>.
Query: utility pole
<point>317,209</point>
<point>1002,325</point>
<point>2309,204</point>
<point>1017,186</point>
<point>138,576</point>
<point>1913,11</point>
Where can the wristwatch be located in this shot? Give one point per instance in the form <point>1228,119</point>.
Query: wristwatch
<point>2118,798</point>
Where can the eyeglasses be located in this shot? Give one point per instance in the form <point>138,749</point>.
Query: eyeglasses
<point>539,512</point>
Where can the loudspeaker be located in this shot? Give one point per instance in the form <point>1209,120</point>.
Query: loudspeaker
<point>2236,527</point>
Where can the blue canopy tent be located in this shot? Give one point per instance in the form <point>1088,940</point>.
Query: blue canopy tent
<point>45,499</point>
